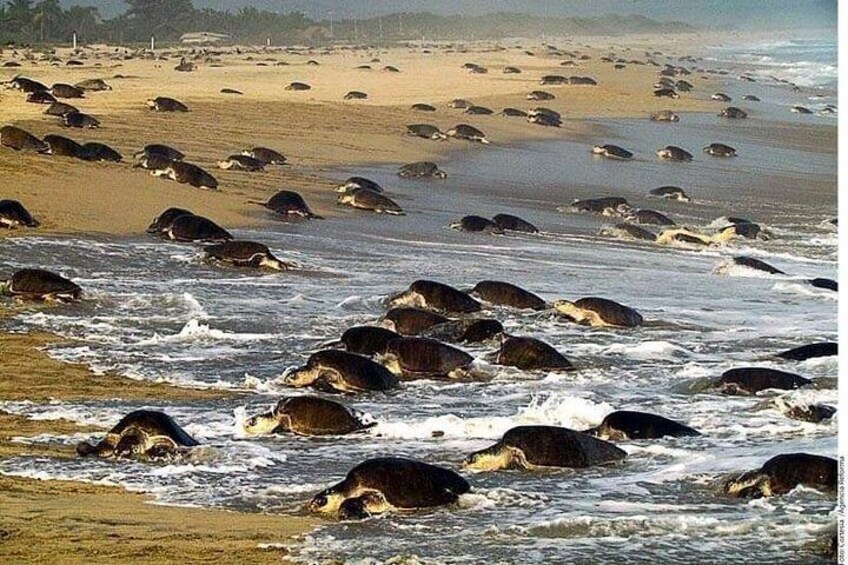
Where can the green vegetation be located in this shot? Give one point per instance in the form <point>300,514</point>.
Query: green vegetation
<point>46,22</point>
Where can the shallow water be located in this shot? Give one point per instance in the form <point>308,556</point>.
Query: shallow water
<point>155,311</point>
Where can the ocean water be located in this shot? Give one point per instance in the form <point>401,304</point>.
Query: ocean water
<point>807,62</point>
<point>154,310</point>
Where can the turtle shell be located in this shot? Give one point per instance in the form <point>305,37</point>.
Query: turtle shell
<point>39,283</point>
<point>406,483</point>
<point>14,211</point>
<point>552,446</point>
<point>289,202</point>
<point>611,312</point>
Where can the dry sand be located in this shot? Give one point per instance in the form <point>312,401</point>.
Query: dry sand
<point>316,129</point>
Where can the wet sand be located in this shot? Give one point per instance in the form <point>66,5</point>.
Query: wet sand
<point>71,522</point>
<point>314,129</point>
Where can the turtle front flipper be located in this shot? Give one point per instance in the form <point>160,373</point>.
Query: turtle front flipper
<point>363,507</point>
<point>161,448</point>
<point>751,484</point>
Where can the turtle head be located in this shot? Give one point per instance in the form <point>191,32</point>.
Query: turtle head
<point>440,174</point>
<point>5,287</point>
<point>151,103</point>
<point>225,164</point>
<point>300,377</point>
<point>568,309</point>
<point>492,458</point>
<point>751,484</point>
<point>272,262</point>
<point>598,150</point>
<point>405,298</point>
<point>327,501</point>
<point>261,424</point>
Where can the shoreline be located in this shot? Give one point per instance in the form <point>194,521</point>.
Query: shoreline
<point>319,136</point>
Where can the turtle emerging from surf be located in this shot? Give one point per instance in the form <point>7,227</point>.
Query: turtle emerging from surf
<point>649,217</point>
<point>467,330</point>
<point>720,150</point>
<point>750,263</point>
<point>507,294</point>
<point>625,230</point>
<point>421,357</point>
<point>365,340</point>
<point>733,113</point>
<point>39,284</point>
<point>811,351</point>
<point>333,370</point>
<point>364,199</point>
<point>751,380</point>
<point>143,434</point>
<point>599,312</point>
<point>412,321</point>
<point>437,296</point>
<point>671,193</point>
<point>531,354</point>
<point>21,140</point>
<point>612,152</point>
<point>540,447</point>
<point>421,169</point>
<point>386,483</point>
<point>782,473</point>
<point>476,224</point>
<point>246,254</point>
<point>674,153</point>
<point>508,222</point>
<point>468,133</point>
<point>289,204</point>
<point>629,425</point>
<point>162,223</point>
<point>665,116</point>
<point>193,228</point>
<point>605,206</point>
<point>14,215</point>
<point>308,416</point>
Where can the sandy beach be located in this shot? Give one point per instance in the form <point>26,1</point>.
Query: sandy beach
<point>67,521</point>
<point>314,129</point>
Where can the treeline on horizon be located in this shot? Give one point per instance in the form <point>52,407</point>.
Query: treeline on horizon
<point>31,22</point>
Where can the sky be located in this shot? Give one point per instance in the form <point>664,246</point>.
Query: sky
<point>737,14</point>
